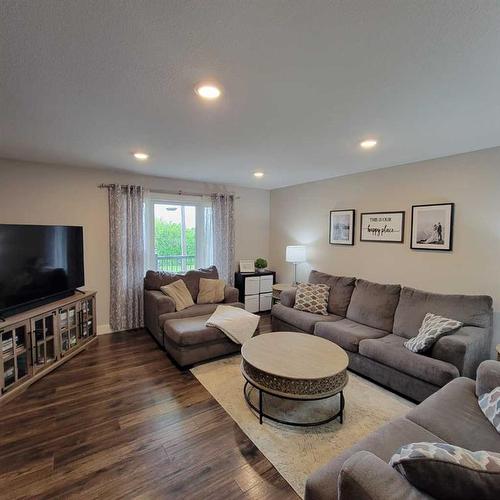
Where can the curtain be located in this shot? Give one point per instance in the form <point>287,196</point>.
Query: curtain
<point>223,234</point>
<point>126,241</point>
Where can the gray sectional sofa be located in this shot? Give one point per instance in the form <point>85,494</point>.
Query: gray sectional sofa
<point>371,322</point>
<point>183,334</point>
<point>451,415</point>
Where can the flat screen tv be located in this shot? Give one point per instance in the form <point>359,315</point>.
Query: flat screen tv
<point>38,264</point>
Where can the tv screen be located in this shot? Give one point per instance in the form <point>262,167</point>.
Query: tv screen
<point>37,264</point>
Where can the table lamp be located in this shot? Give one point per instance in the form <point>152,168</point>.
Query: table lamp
<point>295,254</point>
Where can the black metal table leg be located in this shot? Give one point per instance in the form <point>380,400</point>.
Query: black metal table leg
<point>342,403</point>
<point>260,407</point>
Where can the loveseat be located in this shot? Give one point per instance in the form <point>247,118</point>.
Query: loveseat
<point>451,415</point>
<point>183,334</point>
<point>371,322</point>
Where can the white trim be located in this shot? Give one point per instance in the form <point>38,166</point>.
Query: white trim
<point>104,329</point>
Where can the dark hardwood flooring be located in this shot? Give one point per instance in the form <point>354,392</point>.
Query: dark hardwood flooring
<point>120,420</point>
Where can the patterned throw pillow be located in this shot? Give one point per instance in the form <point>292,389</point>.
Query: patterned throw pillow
<point>433,327</point>
<point>312,298</point>
<point>490,406</point>
<point>445,471</point>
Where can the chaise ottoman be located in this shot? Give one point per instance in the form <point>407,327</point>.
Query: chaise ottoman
<point>189,341</point>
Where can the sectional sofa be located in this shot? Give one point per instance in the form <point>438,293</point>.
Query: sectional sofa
<point>183,334</point>
<point>371,322</point>
<point>451,415</point>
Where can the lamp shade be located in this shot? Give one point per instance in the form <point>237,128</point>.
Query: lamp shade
<point>295,253</point>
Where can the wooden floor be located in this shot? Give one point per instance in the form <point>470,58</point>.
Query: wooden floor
<point>120,420</point>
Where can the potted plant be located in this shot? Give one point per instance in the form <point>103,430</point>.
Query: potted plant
<point>260,264</point>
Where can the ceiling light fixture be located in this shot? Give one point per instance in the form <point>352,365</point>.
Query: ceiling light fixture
<point>141,156</point>
<point>208,91</point>
<point>258,174</point>
<point>368,144</point>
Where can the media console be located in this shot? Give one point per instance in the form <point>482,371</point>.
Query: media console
<point>35,342</point>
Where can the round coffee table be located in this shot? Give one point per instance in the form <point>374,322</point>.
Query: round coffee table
<point>295,366</point>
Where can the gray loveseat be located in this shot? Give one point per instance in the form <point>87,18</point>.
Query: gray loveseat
<point>371,322</point>
<point>183,334</point>
<point>450,415</point>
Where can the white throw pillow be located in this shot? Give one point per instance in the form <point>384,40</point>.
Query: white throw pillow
<point>433,327</point>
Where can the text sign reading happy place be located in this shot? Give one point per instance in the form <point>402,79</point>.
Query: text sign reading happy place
<point>383,226</point>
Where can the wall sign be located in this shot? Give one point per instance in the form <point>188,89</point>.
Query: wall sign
<point>385,227</point>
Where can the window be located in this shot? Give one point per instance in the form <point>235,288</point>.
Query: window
<point>178,233</point>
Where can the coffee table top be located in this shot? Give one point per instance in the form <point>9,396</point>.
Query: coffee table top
<point>295,355</point>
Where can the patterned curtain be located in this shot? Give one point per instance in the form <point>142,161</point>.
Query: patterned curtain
<point>126,241</point>
<point>223,231</point>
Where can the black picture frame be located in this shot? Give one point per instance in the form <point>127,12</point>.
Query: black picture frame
<point>401,229</point>
<point>350,239</point>
<point>441,244</point>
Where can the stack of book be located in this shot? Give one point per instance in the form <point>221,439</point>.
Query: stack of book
<point>7,345</point>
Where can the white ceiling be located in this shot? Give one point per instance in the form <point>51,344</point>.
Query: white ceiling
<point>86,82</point>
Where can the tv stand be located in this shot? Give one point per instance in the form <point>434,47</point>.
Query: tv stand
<point>35,342</point>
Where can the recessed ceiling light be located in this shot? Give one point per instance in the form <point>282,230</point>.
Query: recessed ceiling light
<point>208,91</point>
<point>141,156</point>
<point>258,174</point>
<point>368,144</point>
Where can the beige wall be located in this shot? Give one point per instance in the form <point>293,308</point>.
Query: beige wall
<point>299,215</point>
<point>44,194</point>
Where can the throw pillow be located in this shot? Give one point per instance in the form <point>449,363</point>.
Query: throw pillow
<point>211,291</point>
<point>490,406</point>
<point>433,327</point>
<point>312,298</point>
<point>178,291</point>
<point>449,472</point>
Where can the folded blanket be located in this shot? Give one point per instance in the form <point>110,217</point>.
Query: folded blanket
<point>239,325</point>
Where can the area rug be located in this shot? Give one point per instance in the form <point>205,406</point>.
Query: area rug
<point>298,451</point>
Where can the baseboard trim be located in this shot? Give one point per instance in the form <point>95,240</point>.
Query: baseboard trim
<point>104,329</point>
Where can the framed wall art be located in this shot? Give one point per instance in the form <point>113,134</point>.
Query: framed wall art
<point>342,227</point>
<point>432,227</point>
<point>385,227</point>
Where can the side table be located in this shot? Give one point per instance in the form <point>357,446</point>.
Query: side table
<point>278,288</point>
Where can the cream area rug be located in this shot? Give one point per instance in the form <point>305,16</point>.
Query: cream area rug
<point>298,451</point>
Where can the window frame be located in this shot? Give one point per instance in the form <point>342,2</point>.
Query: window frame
<point>199,202</point>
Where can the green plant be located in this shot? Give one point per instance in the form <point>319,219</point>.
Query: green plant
<point>261,263</point>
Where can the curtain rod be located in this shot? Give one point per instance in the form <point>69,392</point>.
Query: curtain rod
<point>179,192</point>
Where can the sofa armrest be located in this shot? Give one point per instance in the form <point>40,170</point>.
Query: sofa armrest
<point>156,303</point>
<point>287,297</point>
<point>488,377</point>
<point>231,294</point>
<point>364,476</point>
<point>464,349</point>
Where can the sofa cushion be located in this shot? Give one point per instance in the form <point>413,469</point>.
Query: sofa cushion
<point>179,293</point>
<point>390,351</point>
<point>312,298</point>
<point>446,471</point>
<point>211,291</point>
<point>433,328</point>
<point>490,406</point>
<point>347,334</point>
<point>155,279</point>
<point>471,310</point>
<point>453,414</point>
<point>373,304</point>
<point>303,320</point>
<point>341,289</point>
<point>322,483</point>
<point>191,331</point>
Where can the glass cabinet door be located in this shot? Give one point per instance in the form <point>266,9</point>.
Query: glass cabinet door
<point>43,350</point>
<point>68,327</point>
<point>87,318</point>
<point>14,358</point>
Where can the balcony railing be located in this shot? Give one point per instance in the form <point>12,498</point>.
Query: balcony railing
<point>175,263</point>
